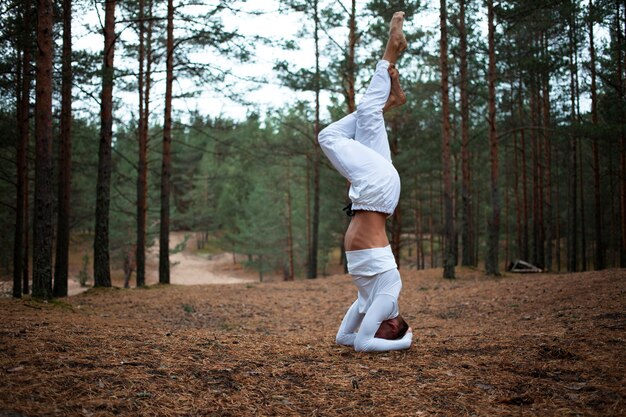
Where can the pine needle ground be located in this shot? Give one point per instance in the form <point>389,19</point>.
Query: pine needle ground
<point>518,345</point>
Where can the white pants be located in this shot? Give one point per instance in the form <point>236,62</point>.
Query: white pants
<point>358,148</point>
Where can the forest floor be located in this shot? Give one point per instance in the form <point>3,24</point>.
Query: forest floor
<point>542,344</point>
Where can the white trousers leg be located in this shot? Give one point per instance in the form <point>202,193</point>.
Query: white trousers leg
<point>357,146</point>
<point>370,125</point>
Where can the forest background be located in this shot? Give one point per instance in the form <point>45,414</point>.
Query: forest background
<point>512,143</point>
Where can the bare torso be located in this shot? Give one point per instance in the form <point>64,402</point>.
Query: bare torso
<point>366,230</point>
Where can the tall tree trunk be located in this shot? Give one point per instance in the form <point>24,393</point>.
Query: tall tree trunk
<point>65,159</point>
<point>615,201</point>
<point>431,230</point>
<point>536,169</point>
<point>524,248</point>
<point>164,240</point>
<point>557,223</point>
<point>290,252</point>
<point>307,205</point>
<point>492,262</point>
<point>545,80</point>
<point>146,124</point>
<point>350,74</point>
<point>600,262</point>
<point>507,217</point>
<point>350,80</point>
<point>572,247</point>
<point>448,262</point>
<point>518,199</point>
<point>540,233</point>
<point>417,222</point>
<point>583,228</point>
<point>622,115</point>
<point>42,248</point>
<point>467,231</point>
<point>396,233</point>
<point>26,257</point>
<point>142,168</point>
<point>312,272</point>
<point>23,99</point>
<point>101,264</point>
<point>583,224</point>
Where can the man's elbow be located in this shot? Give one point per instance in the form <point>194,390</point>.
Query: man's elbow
<point>361,345</point>
<point>343,339</point>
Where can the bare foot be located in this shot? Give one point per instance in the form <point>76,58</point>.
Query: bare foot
<point>396,96</point>
<point>396,43</point>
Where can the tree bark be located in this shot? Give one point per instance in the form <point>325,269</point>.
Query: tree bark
<point>622,115</point>
<point>600,261</point>
<point>350,76</point>
<point>581,176</point>
<point>467,232</point>
<point>396,234</point>
<point>535,169</point>
<point>572,247</point>
<point>65,159</point>
<point>26,257</point>
<point>315,220</point>
<point>557,223</point>
<point>524,248</point>
<point>102,268</point>
<point>492,262</point>
<point>518,199</point>
<point>548,159</point>
<point>142,166</point>
<point>448,262</point>
<point>290,252</point>
<point>583,227</point>
<point>42,248</point>
<point>23,99</point>
<point>164,250</point>
<point>431,229</point>
<point>350,94</point>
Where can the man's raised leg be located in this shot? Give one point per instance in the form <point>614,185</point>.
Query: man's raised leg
<point>382,94</point>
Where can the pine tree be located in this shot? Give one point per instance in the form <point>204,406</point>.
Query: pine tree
<point>491,262</point>
<point>42,247</point>
<point>65,159</point>
<point>21,226</point>
<point>102,267</point>
<point>164,260</point>
<point>449,259</point>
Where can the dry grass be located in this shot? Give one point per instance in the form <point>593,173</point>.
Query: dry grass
<point>519,345</point>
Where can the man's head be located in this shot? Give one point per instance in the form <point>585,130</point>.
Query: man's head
<point>392,329</point>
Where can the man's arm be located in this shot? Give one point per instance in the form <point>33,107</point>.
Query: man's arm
<point>379,311</point>
<point>350,323</point>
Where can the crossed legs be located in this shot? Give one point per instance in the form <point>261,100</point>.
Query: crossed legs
<point>367,126</point>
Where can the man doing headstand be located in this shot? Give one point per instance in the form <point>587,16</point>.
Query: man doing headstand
<point>358,148</point>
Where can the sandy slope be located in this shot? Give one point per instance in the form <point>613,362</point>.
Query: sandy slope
<point>187,268</point>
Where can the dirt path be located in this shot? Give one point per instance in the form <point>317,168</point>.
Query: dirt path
<point>186,267</point>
